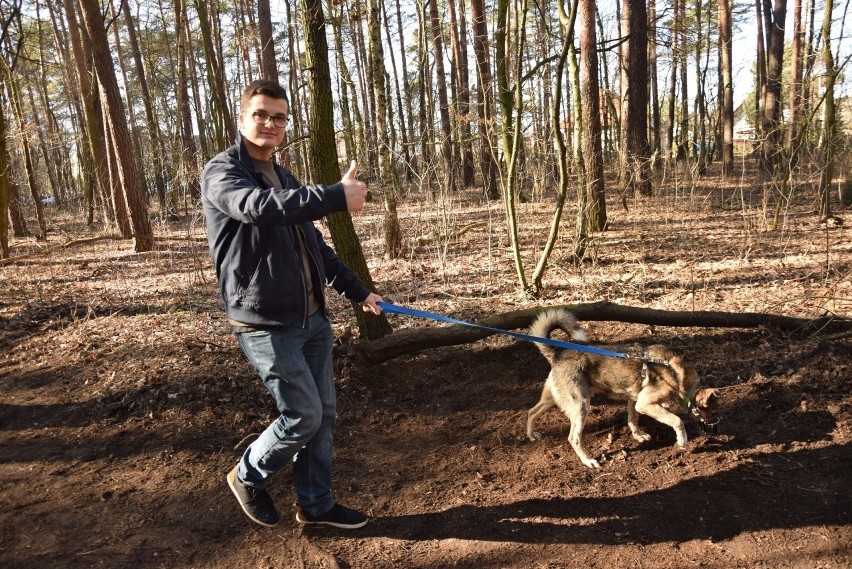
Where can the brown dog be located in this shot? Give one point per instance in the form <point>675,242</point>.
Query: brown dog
<point>648,384</point>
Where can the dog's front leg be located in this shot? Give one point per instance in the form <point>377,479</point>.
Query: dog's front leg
<point>633,423</point>
<point>665,417</point>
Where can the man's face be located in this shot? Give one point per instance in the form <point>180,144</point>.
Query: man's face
<point>262,139</point>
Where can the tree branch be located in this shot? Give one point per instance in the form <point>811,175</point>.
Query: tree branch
<point>412,340</point>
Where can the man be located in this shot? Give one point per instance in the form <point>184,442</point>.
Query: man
<point>272,263</point>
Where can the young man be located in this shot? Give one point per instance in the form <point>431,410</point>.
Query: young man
<point>272,264</point>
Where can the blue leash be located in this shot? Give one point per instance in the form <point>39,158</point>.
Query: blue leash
<point>394,309</point>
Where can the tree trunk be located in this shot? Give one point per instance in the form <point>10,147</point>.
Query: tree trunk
<point>829,119</point>
<point>772,151</point>
<point>187,150</point>
<point>4,187</point>
<point>683,131</point>
<point>510,100</point>
<point>635,169</point>
<point>391,228</point>
<point>27,155</point>
<point>725,52</point>
<point>95,147</point>
<point>268,63</point>
<point>655,97</point>
<point>404,112</point>
<point>591,112</point>
<point>412,340</point>
<point>426,99</point>
<point>443,100</point>
<point>699,135</point>
<point>485,100</point>
<point>458,36</point>
<point>671,154</point>
<point>126,169</point>
<point>323,158</point>
<point>568,26</point>
<point>795,95</point>
<point>155,145</point>
<point>219,113</point>
<point>350,114</point>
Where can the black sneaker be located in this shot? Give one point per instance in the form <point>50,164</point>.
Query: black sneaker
<point>338,516</point>
<point>255,502</point>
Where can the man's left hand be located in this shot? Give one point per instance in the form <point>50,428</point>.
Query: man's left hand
<point>370,303</point>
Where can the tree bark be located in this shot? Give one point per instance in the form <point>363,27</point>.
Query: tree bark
<point>591,112</point>
<point>774,16</point>
<point>391,228</point>
<point>443,100</point>
<point>795,94</point>
<point>126,169</point>
<point>636,155</point>
<point>484,99</point>
<point>268,64</point>
<point>829,119</point>
<point>725,52</point>
<point>324,164</point>
<point>219,112</point>
<point>458,37</point>
<point>156,148</point>
<point>412,340</point>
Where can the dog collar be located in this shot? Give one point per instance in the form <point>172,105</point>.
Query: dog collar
<point>687,401</point>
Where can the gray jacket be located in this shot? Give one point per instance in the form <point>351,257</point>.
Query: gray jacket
<point>251,232</point>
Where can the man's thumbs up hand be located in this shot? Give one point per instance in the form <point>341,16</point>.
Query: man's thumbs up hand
<point>355,190</point>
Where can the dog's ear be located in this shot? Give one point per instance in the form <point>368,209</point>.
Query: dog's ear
<point>707,398</point>
<point>659,352</point>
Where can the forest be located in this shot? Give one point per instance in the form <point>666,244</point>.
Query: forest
<point>672,172</point>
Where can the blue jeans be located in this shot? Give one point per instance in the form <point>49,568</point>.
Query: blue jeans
<point>295,365</point>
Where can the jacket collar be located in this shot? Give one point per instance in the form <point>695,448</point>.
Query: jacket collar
<point>244,156</point>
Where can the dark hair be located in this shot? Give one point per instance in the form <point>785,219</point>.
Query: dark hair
<point>262,87</point>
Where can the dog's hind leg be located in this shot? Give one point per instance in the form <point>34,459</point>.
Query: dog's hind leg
<point>633,423</point>
<point>577,412</point>
<point>665,417</point>
<point>545,403</point>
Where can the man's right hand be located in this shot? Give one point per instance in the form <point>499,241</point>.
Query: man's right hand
<point>355,190</point>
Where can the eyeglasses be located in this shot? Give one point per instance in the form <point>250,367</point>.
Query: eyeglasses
<point>261,117</point>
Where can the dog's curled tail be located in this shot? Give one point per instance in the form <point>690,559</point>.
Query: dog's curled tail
<point>550,320</point>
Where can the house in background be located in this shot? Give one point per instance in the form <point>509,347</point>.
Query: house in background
<point>745,136</point>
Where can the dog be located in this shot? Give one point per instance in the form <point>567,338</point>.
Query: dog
<point>649,384</point>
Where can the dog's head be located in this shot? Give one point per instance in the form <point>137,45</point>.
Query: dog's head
<point>704,403</point>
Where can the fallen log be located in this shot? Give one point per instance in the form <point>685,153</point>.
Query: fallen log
<point>412,340</point>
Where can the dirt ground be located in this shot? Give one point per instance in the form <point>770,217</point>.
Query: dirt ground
<point>125,401</point>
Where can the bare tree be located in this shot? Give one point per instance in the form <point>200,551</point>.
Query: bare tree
<point>635,153</point>
<point>324,161</point>
<point>795,95</point>
<point>10,51</point>
<point>829,118</point>
<point>485,99</point>
<point>126,180</point>
<point>153,129</point>
<point>386,178</point>
<point>774,17</point>
<point>220,114</point>
<point>458,42</point>
<point>727,86</point>
<point>268,63</point>
<point>443,99</point>
<point>596,216</point>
